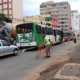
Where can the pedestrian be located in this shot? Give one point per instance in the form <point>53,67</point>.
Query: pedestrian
<point>41,50</point>
<point>47,46</point>
<point>74,39</point>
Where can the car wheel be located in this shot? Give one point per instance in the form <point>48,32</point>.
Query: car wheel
<point>15,52</point>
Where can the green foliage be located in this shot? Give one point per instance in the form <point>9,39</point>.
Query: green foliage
<point>5,18</point>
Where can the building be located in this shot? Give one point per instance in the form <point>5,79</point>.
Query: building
<point>61,10</point>
<point>12,8</point>
<point>79,22</point>
<point>54,21</point>
<point>75,20</point>
<point>48,19</point>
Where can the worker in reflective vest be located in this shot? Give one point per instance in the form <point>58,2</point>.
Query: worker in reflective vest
<point>47,45</point>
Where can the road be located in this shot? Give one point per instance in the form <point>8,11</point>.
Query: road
<point>16,67</point>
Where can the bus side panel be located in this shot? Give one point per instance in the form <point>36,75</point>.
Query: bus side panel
<point>38,36</point>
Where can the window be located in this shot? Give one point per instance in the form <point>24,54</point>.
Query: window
<point>65,8</point>
<point>5,8</point>
<point>54,19</point>
<point>58,26</point>
<point>49,31</point>
<point>27,28</point>
<point>54,32</point>
<point>65,25</point>
<point>41,13</point>
<point>5,2</point>
<point>62,22</point>
<point>0,3</point>
<point>4,43</point>
<point>38,29</point>
<point>43,30</point>
<point>58,32</point>
<point>61,4</point>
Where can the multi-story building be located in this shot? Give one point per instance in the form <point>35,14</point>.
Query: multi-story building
<point>12,8</point>
<point>48,19</point>
<point>79,22</point>
<point>54,21</point>
<point>75,20</point>
<point>61,10</point>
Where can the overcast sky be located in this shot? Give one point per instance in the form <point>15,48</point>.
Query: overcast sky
<point>31,7</point>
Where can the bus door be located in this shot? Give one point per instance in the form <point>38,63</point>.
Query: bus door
<point>28,32</point>
<point>38,36</point>
<point>57,36</point>
<point>47,32</point>
<point>51,33</point>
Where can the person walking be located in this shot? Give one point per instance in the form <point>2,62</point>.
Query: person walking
<point>47,45</point>
<point>74,39</point>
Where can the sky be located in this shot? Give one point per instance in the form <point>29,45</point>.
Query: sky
<point>31,7</point>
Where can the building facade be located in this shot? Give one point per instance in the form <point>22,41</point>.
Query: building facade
<point>79,21</point>
<point>49,19</point>
<point>12,8</point>
<point>75,20</point>
<point>54,21</point>
<point>61,10</point>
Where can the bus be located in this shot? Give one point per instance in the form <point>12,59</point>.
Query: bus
<point>30,34</point>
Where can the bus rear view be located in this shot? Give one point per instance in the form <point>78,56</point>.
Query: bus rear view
<point>24,35</point>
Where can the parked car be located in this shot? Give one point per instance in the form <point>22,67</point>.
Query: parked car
<point>6,48</point>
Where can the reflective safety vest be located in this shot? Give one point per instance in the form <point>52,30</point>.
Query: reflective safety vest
<point>47,41</point>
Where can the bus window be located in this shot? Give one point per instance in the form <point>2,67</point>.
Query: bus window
<point>28,30</point>
<point>54,32</point>
<point>49,31</point>
<point>25,28</point>
<point>19,30</point>
<point>43,30</point>
<point>58,32</point>
<point>38,29</point>
<point>28,27</point>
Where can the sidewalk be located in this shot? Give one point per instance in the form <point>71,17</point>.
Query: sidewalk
<point>67,67</point>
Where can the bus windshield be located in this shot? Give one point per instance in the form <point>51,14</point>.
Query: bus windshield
<point>24,28</point>
<point>24,32</point>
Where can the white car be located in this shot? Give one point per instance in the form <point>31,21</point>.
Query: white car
<point>6,48</point>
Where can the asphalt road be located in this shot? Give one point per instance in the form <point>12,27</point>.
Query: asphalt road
<point>16,67</point>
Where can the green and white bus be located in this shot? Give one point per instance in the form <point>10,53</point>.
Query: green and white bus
<point>30,34</point>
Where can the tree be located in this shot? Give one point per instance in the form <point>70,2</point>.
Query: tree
<point>3,17</point>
